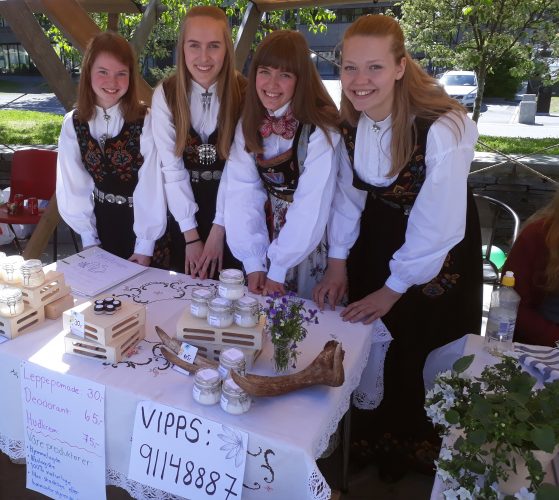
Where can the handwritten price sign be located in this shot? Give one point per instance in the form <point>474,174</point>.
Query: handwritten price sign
<point>185,454</point>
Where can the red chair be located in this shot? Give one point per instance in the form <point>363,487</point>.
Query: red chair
<point>33,175</point>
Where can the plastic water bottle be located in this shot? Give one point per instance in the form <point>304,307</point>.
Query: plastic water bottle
<point>502,316</point>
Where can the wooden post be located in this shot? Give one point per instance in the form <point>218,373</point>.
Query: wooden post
<point>245,35</point>
<point>143,29</point>
<point>112,21</point>
<point>31,35</point>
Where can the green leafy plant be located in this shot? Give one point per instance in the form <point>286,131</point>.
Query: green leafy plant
<point>498,420</point>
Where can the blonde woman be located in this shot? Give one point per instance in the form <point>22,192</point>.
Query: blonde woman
<point>194,116</point>
<point>534,258</point>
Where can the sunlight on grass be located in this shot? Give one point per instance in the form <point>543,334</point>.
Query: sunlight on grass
<point>29,127</point>
<point>519,145</point>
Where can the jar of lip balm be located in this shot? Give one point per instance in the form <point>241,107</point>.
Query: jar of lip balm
<point>199,302</point>
<point>246,312</point>
<point>11,301</point>
<point>11,269</point>
<point>207,386</point>
<point>220,312</point>
<point>231,359</point>
<point>231,284</point>
<point>32,273</point>
<point>233,399</point>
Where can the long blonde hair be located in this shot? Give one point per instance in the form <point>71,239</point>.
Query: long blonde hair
<point>416,94</point>
<point>109,42</point>
<point>549,216</point>
<point>311,103</point>
<point>230,87</point>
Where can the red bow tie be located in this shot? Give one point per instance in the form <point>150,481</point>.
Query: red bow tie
<point>285,125</point>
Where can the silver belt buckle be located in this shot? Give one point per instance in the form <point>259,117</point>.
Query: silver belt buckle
<point>110,198</point>
<point>120,200</point>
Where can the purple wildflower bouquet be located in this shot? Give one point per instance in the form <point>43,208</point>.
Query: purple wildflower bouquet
<point>286,319</point>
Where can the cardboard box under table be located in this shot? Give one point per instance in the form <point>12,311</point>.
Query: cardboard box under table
<point>211,340</point>
<point>106,337</point>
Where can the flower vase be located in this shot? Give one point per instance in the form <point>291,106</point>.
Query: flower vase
<point>282,358</point>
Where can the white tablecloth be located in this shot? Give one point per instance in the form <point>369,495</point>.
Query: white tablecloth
<point>286,433</point>
<point>442,359</point>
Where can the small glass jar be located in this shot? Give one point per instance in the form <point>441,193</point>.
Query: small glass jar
<point>11,302</point>
<point>233,399</point>
<point>11,269</point>
<point>199,303</point>
<point>32,273</point>
<point>207,386</point>
<point>231,359</point>
<point>220,312</point>
<point>231,284</point>
<point>246,312</point>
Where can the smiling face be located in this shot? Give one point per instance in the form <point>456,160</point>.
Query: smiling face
<point>369,74</point>
<point>109,80</point>
<point>274,87</point>
<point>204,49</point>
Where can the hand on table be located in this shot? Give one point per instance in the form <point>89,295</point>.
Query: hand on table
<point>143,260</point>
<point>192,251</point>
<point>373,306</point>
<point>272,287</point>
<point>212,256</point>
<point>333,286</point>
<point>256,282</point>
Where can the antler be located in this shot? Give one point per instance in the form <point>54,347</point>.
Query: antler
<point>326,369</point>
<point>174,346</point>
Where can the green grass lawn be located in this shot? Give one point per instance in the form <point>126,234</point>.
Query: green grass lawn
<point>519,145</point>
<point>554,108</point>
<point>29,127</point>
<point>9,86</point>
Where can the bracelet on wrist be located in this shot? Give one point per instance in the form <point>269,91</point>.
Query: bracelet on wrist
<point>193,241</point>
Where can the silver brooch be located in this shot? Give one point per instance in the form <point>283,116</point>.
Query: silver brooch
<point>207,154</point>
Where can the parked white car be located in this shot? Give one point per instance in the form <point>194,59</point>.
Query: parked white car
<point>461,85</point>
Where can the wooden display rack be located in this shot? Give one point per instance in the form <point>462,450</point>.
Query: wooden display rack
<point>211,340</point>
<point>52,289</point>
<point>107,336</point>
<point>13,326</point>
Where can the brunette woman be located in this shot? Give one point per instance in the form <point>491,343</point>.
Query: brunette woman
<point>284,154</point>
<point>405,216</point>
<point>104,148</point>
<point>195,112</point>
<point>534,258</point>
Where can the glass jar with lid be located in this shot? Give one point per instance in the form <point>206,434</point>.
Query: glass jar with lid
<point>207,386</point>
<point>231,284</point>
<point>246,312</point>
<point>11,269</point>
<point>231,359</point>
<point>220,312</point>
<point>199,302</point>
<point>234,399</point>
<point>11,301</point>
<point>32,273</point>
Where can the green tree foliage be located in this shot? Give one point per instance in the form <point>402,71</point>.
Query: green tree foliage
<point>478,34</point>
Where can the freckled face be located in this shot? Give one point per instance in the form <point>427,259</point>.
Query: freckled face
<point>204,49</point>
<point>109,79</point>
<point>369,74</point>
<point>274,87</point>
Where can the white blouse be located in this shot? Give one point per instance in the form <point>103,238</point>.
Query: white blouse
<point>74,185</point>
<point>245,224</point>
<point>437,220</point>
<point>178,190</point>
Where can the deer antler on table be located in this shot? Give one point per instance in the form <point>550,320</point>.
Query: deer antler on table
<point>326,369</point>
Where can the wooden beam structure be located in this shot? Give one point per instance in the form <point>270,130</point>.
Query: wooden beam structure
<point>246,33</point>
<point>143,30</point>
<point>109,6</point>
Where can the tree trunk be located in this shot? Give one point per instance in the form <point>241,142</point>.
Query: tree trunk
<point>481,74</point>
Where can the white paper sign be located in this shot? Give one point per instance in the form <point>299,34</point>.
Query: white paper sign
<point>64,421</point>
<point>187,455</point>
<point>77,323</point>
<point>187,353</point>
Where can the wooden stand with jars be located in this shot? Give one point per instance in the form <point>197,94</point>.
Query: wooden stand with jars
<point>111,329</point>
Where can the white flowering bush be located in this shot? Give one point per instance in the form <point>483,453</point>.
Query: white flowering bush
<point>494,421</point>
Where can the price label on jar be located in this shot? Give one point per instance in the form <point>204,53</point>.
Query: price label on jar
<point>187,455</point>
<point>77,324</point>
<point>187,353</point>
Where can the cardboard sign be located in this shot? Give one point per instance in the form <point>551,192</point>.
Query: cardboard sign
<point>187,455</point>
<point>64,421</point>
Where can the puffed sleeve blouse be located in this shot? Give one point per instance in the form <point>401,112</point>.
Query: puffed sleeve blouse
<point>437,220</point>
<point>176,178</point>
<point>306,218</point>
<point>74,185</point>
